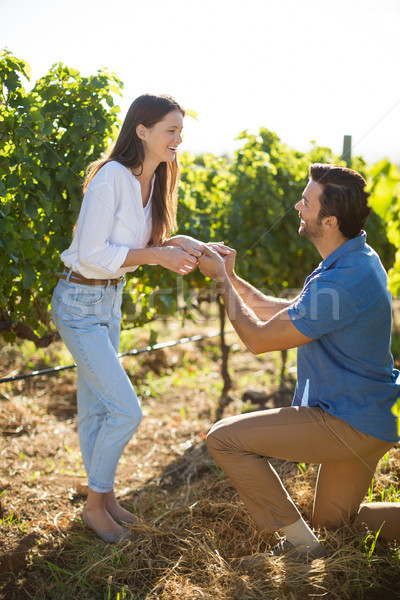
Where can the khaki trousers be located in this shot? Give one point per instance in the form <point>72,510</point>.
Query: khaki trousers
<point>347,458</point>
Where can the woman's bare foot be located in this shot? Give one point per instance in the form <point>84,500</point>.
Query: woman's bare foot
<point>116,511</point>
<point>99,516</point>
<point>103,521</point>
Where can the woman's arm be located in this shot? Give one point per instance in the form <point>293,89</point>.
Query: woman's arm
<point>172,258</point>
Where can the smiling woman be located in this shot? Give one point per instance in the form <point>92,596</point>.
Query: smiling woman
<point>127,215</point>
<point>162,140</point>
<point>152,125</point>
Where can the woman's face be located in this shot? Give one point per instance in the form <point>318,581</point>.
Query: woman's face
<point>161,141</point>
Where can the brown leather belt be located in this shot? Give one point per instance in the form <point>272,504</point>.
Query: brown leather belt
<point>77,278</point>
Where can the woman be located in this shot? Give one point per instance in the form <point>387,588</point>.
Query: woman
<point>127,215</point>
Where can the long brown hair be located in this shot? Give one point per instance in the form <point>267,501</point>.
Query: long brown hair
<point>128,150</point>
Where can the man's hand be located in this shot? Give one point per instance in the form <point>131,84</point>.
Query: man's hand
<point>211,264</point>
<point>228,254</point>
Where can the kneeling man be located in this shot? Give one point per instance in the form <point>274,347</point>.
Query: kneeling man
<point>341,417</point>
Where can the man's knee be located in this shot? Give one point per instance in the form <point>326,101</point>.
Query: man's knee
<point>379,516</point>
<point>216,437</point>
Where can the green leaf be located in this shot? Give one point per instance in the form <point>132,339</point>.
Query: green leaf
<point>28,276</point>
<point>44,177</point>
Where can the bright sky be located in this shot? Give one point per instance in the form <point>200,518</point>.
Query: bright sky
<point>306,69</point>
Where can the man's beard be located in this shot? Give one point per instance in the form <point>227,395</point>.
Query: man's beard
<point>312,231</point>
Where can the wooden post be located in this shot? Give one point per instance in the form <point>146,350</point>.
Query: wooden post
<point>225,398</point>
<point>346,156</point>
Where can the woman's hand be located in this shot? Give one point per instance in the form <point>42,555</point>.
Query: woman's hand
<point>187,243</point>
<point>175,259</point>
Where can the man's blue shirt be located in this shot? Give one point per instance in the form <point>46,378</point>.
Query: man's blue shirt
<point>347,368</point>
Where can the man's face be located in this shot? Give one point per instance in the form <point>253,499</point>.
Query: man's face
<point>309,207</point>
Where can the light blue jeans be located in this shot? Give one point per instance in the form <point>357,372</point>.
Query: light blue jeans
<point>88,319</point>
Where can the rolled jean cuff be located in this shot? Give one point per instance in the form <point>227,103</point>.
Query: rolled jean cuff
<point>99,488</point>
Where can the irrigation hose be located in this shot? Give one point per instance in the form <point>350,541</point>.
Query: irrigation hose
<point>185,340</point>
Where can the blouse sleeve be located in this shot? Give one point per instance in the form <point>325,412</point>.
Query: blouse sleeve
<point>94,227</point>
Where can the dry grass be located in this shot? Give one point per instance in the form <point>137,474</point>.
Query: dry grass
<point>192,523</point>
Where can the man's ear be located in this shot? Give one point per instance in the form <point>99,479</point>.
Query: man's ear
<point>141,132</point>
<point>330,222</point>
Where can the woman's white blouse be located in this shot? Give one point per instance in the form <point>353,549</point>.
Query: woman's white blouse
<point>111,221</point>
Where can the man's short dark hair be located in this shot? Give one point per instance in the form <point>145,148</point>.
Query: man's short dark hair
<point>343,196</point>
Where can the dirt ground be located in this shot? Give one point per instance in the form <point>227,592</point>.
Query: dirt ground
<point>42,481</point>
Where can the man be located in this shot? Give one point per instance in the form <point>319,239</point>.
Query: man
<point>341,414</point>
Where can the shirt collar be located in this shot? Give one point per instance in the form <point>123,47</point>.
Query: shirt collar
<point>356,243</point>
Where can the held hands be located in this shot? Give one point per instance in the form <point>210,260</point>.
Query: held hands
<point>211,263</point>
<point>184,256</point>
<point>177,260</point>
<point>190,245</point>
<point>183,253</point>
<point>228,255</point>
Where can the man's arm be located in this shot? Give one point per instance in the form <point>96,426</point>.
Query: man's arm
<point>263,306</point>
<point>278,333</point>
